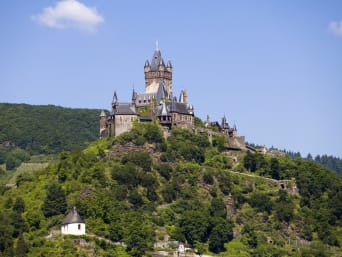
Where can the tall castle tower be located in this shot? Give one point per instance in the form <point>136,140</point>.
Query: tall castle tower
<point>157,71</point>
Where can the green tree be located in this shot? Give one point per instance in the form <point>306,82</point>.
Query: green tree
<point>6,231</point>
<point>220,234</point>
<point>11,163</point>
<point>21,248</point>
<point>274,168</point>
<point>138,240</point>
<point>284,207</point>
<point>55,201</point>
<point>217,208</point>
<point>248,236</point>
<point>194,226</point>
<point>19,205</point>
<point>261,202</point>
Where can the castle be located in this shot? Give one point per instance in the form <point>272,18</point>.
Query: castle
<point>157,103</point>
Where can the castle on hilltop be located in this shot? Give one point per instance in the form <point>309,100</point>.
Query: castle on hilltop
<point>156,103</point>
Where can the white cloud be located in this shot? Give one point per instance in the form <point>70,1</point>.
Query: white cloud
<point>336,27</point>
<point>70,14</point>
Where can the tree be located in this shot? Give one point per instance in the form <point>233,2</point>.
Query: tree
<point>220,234</point>
<point>18,223</point>
<point>55,201</point>
<point>21,248</point>
<point>194,226</point>
<point>217,208</point>
<point>261,202</point>
<point>248,236</point>
<point>19,205</point>
<point>11,163</point>
<point>6,231</point>
<point>274,168</point>
<point>284,207</point>
<point>138,241</point>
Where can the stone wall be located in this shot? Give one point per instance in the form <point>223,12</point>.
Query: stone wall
<point>123,123</point>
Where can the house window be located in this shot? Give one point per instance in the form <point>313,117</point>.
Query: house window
<point>79,226</point>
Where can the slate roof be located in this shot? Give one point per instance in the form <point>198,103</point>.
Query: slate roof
<point>163,110</point>
<point>140,98</point>
<point>156,60</point>
<point>72,217</point>
<point>181,108</point>
<point>161,93</point>
<point>125,109</point>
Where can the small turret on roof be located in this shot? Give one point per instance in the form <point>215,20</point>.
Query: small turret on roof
<point>103,114</point>
<point>115,98</point>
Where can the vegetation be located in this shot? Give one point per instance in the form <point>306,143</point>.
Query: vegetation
<point>226,203</point>
<point>26,130</point>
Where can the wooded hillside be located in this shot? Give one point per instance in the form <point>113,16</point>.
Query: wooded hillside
<point>145,191</point>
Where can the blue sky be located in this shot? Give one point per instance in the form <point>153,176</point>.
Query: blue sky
<point>273,67</point>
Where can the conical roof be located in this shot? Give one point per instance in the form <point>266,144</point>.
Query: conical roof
<point>156,60</point>
<point>72,217</point>
<point>103,114</point>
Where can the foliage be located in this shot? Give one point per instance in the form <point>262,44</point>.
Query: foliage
<point>221,233</point>
<point>330,162</point>
<point>21,248</point>
<point>192,193</point>
<point>261,202</point>
<point>248,236</point>
<point>55,201</point>
<point>47,129</point>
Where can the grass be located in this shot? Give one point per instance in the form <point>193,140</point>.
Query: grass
<point>23,168</point>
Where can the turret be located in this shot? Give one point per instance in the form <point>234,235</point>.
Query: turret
<point>183,97</point>
<point>103,124</point>
<point>156,71</point>
<point>224,123</point>
<point>134,96</point>
<point>169,66</point>
<point>147,66</point>
<point>114,102</point>
<point>161,65</point>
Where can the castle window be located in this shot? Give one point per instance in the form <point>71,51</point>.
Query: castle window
<point>79,226</point>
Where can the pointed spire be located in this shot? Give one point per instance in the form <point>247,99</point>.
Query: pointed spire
<point>103,114</point>
<point>164,111</point>
<point>147,63</point>
<point>181,97</point>
<point>134,94</point>
<point>115,98</point>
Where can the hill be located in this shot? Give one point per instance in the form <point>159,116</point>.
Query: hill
<point>144,193</point>
<point>29,129</point>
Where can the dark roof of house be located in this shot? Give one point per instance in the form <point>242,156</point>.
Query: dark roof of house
<point>161,93</point>
<point>72,217</point>
<point>125,109</point>
<point>163,110</point>
<point>182,108</point>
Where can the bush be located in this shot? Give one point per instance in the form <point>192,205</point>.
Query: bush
<point>208,178</point>
<point>141,159</point>
<point>261,202</point>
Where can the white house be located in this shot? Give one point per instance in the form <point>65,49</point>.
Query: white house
<point>73,224</point>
